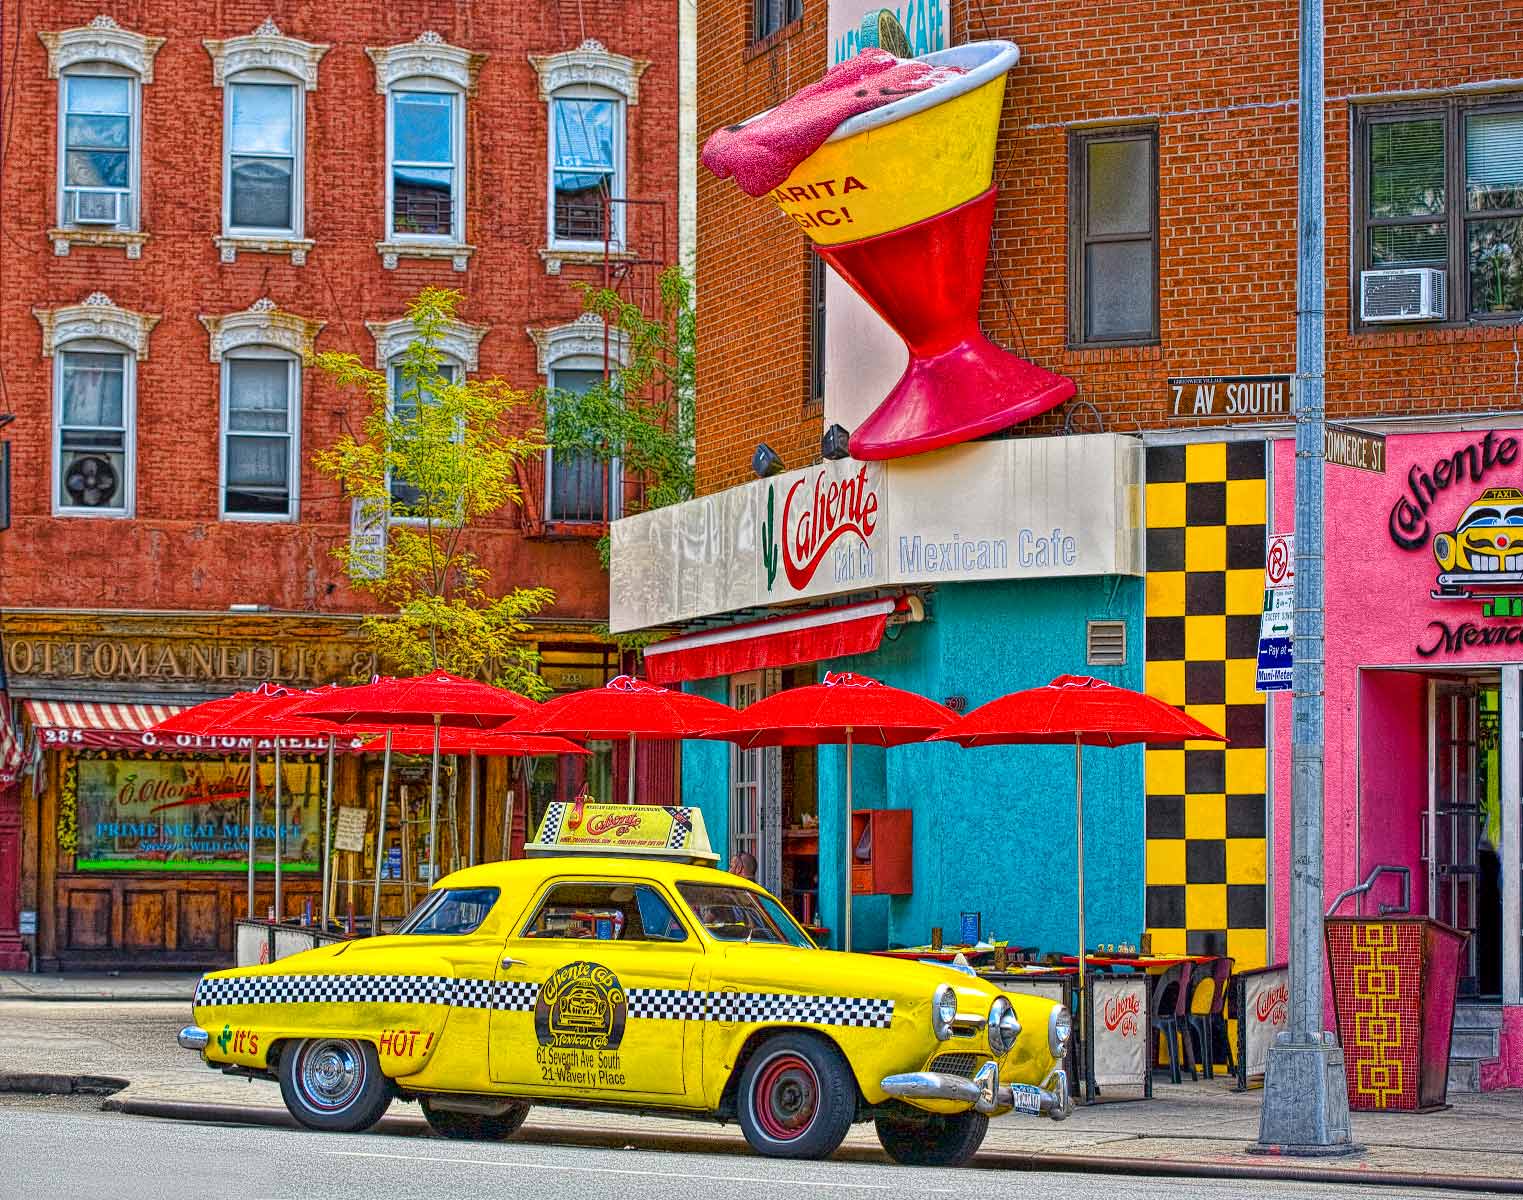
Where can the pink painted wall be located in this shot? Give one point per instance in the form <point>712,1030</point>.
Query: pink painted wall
<point>1380,613</point>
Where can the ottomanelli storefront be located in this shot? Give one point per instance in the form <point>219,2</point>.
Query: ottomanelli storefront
<point>1424,708</point>
<point>119,848</point>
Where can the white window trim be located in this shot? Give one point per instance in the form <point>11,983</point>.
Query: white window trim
<point>460,369</point>
<point>579,345</point>
<point>134,152</point>
<point>102,47</point>
<point>581,91</point>
<point>105,345</point>
<point>96,324</point>
<point>427,64</point>
<point>581,362</point>
<point>293,418</point>
<point>591,71</point>
<point>263,323</point>
<point>266,56</point>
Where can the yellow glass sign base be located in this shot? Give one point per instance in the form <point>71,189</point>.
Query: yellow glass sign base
<point>897,174</point>
<point>636,830</point>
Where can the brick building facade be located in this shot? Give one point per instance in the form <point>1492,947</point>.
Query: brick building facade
<point>195,200</point>
<point>1146,233</point>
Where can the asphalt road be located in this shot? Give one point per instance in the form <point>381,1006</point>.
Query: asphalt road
<point>60,1150</point>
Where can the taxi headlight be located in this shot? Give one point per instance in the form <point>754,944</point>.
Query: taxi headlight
<point>943,1011</point>
<point>1003,1026</point>
<point>1060,1027</point>
<point>1443,550</point>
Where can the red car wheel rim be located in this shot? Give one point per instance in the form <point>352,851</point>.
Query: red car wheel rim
<point>786,1097</point>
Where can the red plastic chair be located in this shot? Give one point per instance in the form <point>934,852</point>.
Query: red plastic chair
<point>1204,1026</point>
<point>1171,1006</point>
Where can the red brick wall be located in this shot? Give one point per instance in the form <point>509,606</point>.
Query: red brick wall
<point>176,553</point>
<point>1219,80</point>
<point>753,266</point>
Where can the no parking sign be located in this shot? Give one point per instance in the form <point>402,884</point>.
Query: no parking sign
<point>1275,626</point>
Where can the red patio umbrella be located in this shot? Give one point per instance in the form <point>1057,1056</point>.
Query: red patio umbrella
<point>270,712</point>
<point>488,743</point>
<point>212,719</point>
<point>435,698</point>
<point>846,708</point>
<point>626,707</point>
<point>1077,710</point>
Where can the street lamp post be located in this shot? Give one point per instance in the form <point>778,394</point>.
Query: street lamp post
<point>1305,1109</point>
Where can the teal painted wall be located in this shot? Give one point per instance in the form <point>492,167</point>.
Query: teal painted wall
<point>993,827</point>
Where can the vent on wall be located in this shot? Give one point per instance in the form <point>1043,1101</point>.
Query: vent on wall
<point>1105,643</point>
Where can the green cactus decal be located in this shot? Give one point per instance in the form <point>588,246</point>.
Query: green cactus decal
<point>769,538</point>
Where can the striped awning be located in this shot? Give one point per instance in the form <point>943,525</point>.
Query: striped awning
<point>11,758</point>
<point>94,723</point>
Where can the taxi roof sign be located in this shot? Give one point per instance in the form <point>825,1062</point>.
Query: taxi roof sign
<point>635,830</point>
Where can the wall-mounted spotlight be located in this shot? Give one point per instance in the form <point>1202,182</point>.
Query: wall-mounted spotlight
<point>834,444</point>
<point>766,461</point>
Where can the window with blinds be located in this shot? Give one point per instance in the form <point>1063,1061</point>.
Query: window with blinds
<point>1440,184</point>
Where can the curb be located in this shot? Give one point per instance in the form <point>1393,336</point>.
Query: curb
<point>36,1084</point>
<point>709,1143</point>
<point>100,997</point>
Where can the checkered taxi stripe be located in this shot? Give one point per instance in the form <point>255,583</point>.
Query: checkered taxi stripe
<point>657,1004</point>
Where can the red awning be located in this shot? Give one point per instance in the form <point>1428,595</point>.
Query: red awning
<point>125,727</point>
<point>785,641</point>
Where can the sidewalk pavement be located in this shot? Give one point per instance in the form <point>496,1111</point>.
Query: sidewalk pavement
<point>129,985</point>
<point>1190,1129</point>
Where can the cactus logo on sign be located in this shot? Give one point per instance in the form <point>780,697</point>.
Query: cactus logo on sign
<point>769,537</point>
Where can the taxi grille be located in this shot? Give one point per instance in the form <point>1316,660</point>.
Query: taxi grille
<point>964,1065</point>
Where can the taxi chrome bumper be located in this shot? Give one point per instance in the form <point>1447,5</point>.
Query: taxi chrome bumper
<point>191,1038</point>
<point>985,1093</point>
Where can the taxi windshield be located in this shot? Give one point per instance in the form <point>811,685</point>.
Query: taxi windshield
<point>734,914</point>
<point>451,910</point>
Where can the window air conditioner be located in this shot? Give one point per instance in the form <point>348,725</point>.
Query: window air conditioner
<point>97,208</point>
<point>1410,294</point>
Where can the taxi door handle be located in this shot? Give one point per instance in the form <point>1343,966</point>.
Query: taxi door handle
<point>510,961</point>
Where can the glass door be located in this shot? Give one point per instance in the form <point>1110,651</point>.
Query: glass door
<point>746,768</point>
<point>1454,815</point>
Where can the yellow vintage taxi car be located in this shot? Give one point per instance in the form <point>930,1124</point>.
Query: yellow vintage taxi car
<point>599,978</point>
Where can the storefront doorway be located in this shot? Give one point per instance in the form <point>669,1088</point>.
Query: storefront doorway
<point>1437,775</point>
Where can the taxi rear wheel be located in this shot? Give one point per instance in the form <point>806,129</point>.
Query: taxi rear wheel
<point>920,1139</point>
<point>796,1098</point>
<point>475,1127</point>
<point>333,1084</point>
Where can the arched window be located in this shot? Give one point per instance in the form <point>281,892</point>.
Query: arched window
<point>264,78</point>
<point>587,91</point>
<point>579,487</point>
<point>458,345</point>
<point>260,352</point>
<point>95,348</point>
<point>101,69</point>
<point>426,83</point>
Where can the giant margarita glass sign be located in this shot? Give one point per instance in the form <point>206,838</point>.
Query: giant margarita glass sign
<point>1019,509</point>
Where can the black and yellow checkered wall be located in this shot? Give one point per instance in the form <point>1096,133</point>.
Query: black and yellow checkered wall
<point>1206,813</point>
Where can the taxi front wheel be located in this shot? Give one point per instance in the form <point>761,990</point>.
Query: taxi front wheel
<point>475,1127</point>
<point>797,1097</point>
<point>333,1084</point>
<point>921,1139</point>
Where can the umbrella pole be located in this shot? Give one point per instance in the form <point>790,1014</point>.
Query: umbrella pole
<point>470,859</point>
<point>380,838</point>
<point>433,811</point>
<point>1079,841</point>
<point>631,768</point>
<point>846,903</point>
<point>253,817</point>
<point>280,839</point>
<point>322,913</point>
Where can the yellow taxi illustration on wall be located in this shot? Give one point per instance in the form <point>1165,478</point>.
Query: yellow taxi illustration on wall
<point>642,981</point>
<point>1486,548</point>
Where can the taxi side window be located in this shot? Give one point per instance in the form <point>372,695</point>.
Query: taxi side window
<point>618,912</point>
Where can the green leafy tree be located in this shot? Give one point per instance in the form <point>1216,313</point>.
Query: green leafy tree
<point>642,414</point>
<point>436,459</point>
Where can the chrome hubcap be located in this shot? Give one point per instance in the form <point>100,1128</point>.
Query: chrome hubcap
<point>331,1074</point>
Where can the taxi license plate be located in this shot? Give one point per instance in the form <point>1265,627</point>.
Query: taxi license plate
<point>1026,1099</point>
